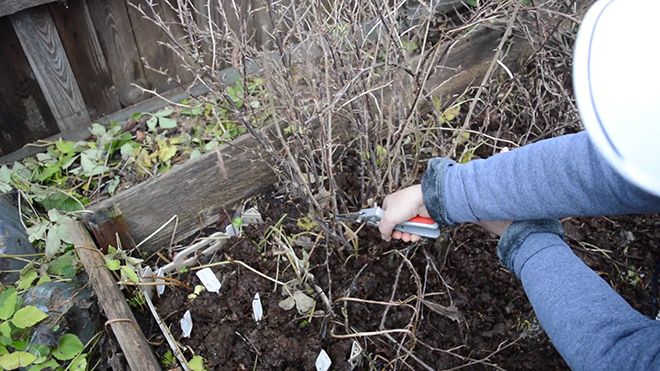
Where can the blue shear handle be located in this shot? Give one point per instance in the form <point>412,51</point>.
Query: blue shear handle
<point>420,229</point>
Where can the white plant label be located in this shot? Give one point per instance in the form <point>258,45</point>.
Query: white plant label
<point>209,280</point>
<point>251,216</point>
<point>186,324</point>
<point>257,309</point>
<point>356,355</point>
<point>160,289</point>
<point>232,231</point>
<point>323,361</point>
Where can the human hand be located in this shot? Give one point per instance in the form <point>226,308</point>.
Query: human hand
<point>495,227</point>
<point>399,207</point>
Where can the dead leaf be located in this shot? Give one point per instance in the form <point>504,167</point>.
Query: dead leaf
<point>450,312</point>
<point>303,302</point>
<point>287,304</point>
<point>305,242</point>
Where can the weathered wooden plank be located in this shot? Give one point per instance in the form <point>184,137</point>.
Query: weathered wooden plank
<point>134,345</point>
<point>38,35</point>
<point>8,7</point>
<point>147,105</point>
<point>24,113</point>
<point>197,190</point>
<point>156,56</point>
<point>82,46</point>
<point>113,27</point>
<point>110,229</point>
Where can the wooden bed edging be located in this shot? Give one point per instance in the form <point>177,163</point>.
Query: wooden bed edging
<point>134,345</point>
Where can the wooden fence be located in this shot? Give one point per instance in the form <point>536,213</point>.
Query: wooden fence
<point>64,64</point>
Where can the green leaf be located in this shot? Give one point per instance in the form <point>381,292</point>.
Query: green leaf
<point>196,364</point>
<point>53,242</point>
<point>79,363</point>
<point>20,344</point>
<point>5,329</point>
<point>63,265</point>
<point>164,112</point>
<point>15,360</point>
<point>113,184</point>
<point>63,230</point>
<point>8,300</point>
<point>152,122</point>
<point>3,350</point>
<point>166,152</point>
<point>28,316</point>
<point>136,116</point>
<point>193,112</point>
<point>25,281</point>
<point>195,153</point>
<point>37,231</point>
<point>127,150</point>
<point>65,146</point>
<point>68,347</point>
<point>54,199</point>
<point>166,123</point>
<point>474,3</point>
<point>5,179</point>
<point>91,167</point>
<point>97,130</point>
<point>48,172</point>
<point>53,215</point>
<point>130,273</point>
<point>51,364</point>
<point>113,264</point>
<point>42,279</point>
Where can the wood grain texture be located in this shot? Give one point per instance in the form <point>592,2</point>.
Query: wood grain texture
<point>24,112</point>
<point>110,229</point>
<point>134,345</point>
<point>8,7</point>
<point>38,35</point>
<point>154,55</point>
<point>198,190</point>
<point>113,27</point>
<point>147,105</point>
<point>76,29</point>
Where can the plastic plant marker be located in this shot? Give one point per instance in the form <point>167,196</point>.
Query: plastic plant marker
<point>209,280</point>
<point>252,216</point>
<point>186,324</point>
<point>232,231</point>
<point>160,289</point>
<point>257,309</point>
<point>356,355</point>
<point>323,361</point>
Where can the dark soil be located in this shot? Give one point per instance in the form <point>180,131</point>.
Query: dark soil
<point>496,327</point>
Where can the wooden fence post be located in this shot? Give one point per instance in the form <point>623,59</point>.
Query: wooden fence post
<point>42,45</point>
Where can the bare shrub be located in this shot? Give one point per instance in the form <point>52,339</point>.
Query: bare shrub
<point>334,87</point>
<point>318,81</point>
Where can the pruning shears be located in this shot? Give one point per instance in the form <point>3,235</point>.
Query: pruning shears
<point>419,225</point>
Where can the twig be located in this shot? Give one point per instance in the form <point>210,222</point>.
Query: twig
<point>489,71</point>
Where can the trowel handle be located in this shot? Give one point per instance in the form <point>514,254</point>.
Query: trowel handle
<point>421,226</point>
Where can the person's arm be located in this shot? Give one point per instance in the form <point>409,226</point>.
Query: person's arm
<point>553,178</point>
<point>591,326</point>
